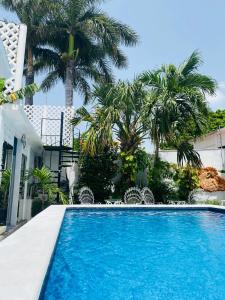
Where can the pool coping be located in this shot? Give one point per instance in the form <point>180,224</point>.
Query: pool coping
<point>25,255</point>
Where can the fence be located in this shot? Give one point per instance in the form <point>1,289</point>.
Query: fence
<point>46,121</point>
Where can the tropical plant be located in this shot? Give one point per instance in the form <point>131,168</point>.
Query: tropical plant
<point>27,91</point>
<point>84,44</point>
<point>43,184</point>
<point>33,13</point>
<point>117,117</point>
<point>187,180</point>
<point>4,186</point>
<point>215,120</point>
<point>186,154</point>
<point>98,172</point>
<point>160,180</point>
<point>176,96</point>
<point>131,170</point>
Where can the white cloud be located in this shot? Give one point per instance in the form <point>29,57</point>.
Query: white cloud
<point>218,101</point>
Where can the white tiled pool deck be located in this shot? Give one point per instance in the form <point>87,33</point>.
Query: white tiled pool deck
<point>25,255</point>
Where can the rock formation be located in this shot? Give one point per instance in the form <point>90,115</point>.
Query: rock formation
<point>210,180</point>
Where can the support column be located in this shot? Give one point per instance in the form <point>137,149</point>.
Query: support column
<point>14,184</point>
<point>26,198</point>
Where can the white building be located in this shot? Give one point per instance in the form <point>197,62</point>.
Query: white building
<point>211,148</point>
<point>30,136</point>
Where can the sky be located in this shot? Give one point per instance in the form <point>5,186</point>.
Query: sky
<point>169,30</point>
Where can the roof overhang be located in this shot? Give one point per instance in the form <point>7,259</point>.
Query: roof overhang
<point>15,116</point>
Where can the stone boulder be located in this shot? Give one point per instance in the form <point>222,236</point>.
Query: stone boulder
<point>210,180</point>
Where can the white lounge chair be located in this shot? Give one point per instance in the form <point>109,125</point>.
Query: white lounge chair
<point>86,196</point>
<point>133,196</point>
<point>147,196</point>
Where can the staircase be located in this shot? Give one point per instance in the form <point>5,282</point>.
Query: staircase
<point>68,157</point>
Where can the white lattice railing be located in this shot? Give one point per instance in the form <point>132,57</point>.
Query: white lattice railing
<point>14,39</point>
<point>46,121</point>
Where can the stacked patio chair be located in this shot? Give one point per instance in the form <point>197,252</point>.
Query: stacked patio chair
<point>86,196</point>
<point>147,196</point>
<point>133,196</point>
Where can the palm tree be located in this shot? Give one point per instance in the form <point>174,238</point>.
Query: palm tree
<point>186,153</point>
<point>117,115</point>
<point>176,96</point>
<point>34,14</point>
<point>84,43</point>
<point>90,65</point>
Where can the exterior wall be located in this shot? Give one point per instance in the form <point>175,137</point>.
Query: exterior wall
<point>201,196</point>
<point>207,142</point>
<point>14,38</point>
<point>14,124</point>
<point>212,140</point>
<point>210,158</point>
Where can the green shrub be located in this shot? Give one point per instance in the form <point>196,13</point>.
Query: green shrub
<point>187,180</point>
<point>161,182</point>
<point>130,166</point>
<point>97,173</point>
<point>212,202</point>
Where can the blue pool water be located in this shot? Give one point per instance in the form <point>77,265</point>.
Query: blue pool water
<point>138,254</point>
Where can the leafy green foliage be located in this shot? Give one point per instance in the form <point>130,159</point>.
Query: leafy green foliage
<point>216,120</point>
<point>130,165</point>
<point>187,154</point>
<point>118,113</point>
<point>4,187</point>
<point>85,44</point>
<point>171,182</point>
<point>2,84</point>
<point>44,185</point>
<point>18,95</point>
<point>187,179</point>
<point>213,202</point>
<point>97,173</point>
<point>176,97</point>
<point>160,178</point>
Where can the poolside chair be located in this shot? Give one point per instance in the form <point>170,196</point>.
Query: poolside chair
<point>133,196</point>
<point>147,196</point>
<point>86,196</point>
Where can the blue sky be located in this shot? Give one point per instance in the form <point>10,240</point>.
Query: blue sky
<point>169,31</point>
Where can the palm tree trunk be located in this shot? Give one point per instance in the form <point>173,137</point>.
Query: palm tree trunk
<point>69,83</point>
<point>157,145</point>
<point>30,74</point>
<point>69,71</point>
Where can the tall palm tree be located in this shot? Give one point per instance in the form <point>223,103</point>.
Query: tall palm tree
<point>84,44</point>
<point>117,115</point>
<point>34,14</point>
<point>176,96</point>
<point>91,65</point>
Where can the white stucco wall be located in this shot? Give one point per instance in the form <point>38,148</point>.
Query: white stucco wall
<point>212,140</point>
<point>210,158</point>
<point>14,123</point>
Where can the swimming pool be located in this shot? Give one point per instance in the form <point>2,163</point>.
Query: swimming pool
<point>138,254</point>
